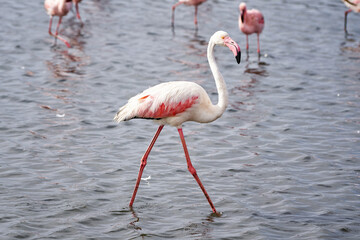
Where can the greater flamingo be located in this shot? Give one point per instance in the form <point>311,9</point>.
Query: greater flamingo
<point>76,2</point>
<point>173,103</point>
<point>57,8</point>
<point>194,3</point>
<point>251,21</point>
<point>354,5</point>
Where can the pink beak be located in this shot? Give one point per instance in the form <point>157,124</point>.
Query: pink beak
<point>234,47</point>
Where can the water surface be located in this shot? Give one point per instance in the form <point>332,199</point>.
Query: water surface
<point>281,163</point>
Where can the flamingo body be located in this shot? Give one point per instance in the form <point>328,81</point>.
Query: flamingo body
<point>353,5</point>
<point>251,21</point>
<point>57,8</point>
<point>170,103</point>
<point>173,103</point>
<point>194,3</point>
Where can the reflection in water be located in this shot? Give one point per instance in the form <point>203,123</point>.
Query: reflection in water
<point>137,219</point>
<point>258,70</point>
<point>196,47</point>
<point>64,63</point>
<point>65,66</point>
<point>255,72</point>
<point>173,29</point>
<point>258,55</point>
<point>255,69</point>
<point>201,229</point>
<point>349,39</point>
<point>69,61</point>
<point>246,92</point>
<point>76,31</point>
<point>355,49</point>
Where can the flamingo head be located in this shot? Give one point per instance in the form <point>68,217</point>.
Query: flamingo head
<point>242,8</point>
<point>223,38</point>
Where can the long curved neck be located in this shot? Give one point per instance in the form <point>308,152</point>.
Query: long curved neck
<point>219,80</point>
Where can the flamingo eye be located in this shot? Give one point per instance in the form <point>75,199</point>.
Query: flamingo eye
<point>222,37</point>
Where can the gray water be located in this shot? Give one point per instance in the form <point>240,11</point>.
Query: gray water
<point>281,163</point>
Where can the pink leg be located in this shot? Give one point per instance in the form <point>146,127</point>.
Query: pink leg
<point>345,21</point>
<point>173,12</point>
<point>143,163</point>
<point>247,42</point>
<point>77,11</point>
<point>50,24</point>
<point>56,32</point>
<point>193,171</point>
<point>58,26</point>
<point>195,19</point>
<point>258,43</point>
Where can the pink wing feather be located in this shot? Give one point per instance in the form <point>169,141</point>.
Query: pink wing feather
<point>165,109</point>
<point>161,101</point>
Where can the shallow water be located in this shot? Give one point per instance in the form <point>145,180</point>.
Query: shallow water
<point>281,163</point>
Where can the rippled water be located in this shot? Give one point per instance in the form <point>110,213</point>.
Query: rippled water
<point>281,163</point>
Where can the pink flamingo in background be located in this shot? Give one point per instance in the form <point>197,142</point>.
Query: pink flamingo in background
<point>251,21</point>
<point>57,8</point>
<point>174,103</point>
<point>76,2</point>
<point>354,5</point>
<point>194,3</point>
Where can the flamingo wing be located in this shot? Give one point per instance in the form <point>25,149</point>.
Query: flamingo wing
<point>256,19</point>
<point>161,101</point>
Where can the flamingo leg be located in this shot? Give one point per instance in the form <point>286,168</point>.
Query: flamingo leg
<point>173,12</point>
<point>143,163</point>
<point>196,10</point>
<point>58,26</point>
<point>50,25</point>
<point>193,171</point>
<point>258,43</point>
<point>77,11</point>
<point>345,20</point>
<point>57,32</point>
<point>247,42</point>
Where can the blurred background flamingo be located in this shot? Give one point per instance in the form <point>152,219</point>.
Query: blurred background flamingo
<point>194,3</point>
<point>57,8</point>
<point>251,21</point>
<point>354,6</point>
<point>174,103</point>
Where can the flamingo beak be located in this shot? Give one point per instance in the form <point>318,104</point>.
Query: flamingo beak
<point>238,57</point>
<point>234,47</point>
<point>242,16</point>
<point>350,3</point>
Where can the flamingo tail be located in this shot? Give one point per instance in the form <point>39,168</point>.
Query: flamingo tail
<point>122,115</point>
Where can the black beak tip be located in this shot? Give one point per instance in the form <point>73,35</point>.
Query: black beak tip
<point>238,57</point>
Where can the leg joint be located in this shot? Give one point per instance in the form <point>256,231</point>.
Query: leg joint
<point>143,163</point>
<point>192,170</point>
